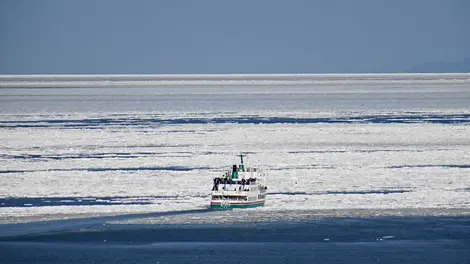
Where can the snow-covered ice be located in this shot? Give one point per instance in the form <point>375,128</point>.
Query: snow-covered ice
<point>114,162</point>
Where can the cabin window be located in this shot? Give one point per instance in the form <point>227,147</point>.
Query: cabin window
<point>229,197</point>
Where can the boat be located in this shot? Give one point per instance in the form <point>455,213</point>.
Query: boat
<point>239,187</point>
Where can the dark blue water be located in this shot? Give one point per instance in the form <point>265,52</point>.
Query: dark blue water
<point>335,240</point>
<point>152,121</point>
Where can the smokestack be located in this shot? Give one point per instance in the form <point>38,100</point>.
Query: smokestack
<point>234,172</point>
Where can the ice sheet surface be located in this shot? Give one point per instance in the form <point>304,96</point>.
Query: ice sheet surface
<point>137,144</point>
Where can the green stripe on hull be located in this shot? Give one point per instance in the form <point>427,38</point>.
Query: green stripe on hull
<point>231,206</point>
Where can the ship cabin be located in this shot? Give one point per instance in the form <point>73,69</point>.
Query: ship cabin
<point>231,187</point>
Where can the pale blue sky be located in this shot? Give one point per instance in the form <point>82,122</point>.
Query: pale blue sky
<point>264,36</point>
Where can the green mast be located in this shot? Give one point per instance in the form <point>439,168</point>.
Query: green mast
<point>236,169</point>
<point>242,166</point>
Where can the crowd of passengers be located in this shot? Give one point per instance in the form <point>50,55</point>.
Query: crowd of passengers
<point>226,180</point>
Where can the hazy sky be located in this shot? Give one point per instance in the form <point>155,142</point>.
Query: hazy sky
<point>222,36</point>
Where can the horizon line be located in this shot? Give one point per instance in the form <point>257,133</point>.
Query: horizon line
<point>227,74</point>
